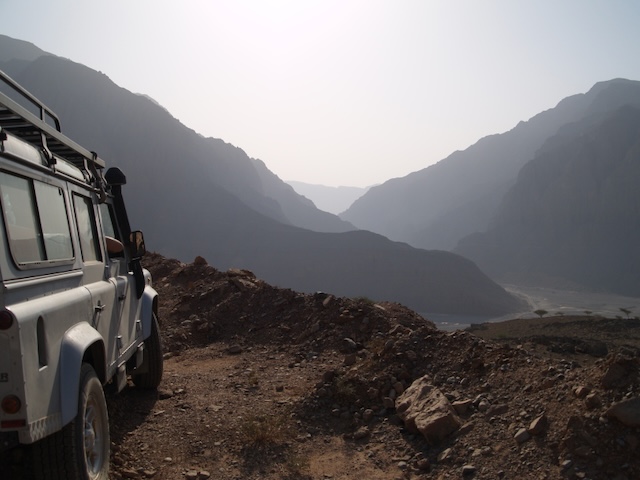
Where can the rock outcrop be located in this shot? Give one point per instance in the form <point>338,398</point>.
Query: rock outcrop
<point>426,410</point>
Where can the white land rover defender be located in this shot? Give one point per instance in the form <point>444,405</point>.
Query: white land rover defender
<point>77,310</point>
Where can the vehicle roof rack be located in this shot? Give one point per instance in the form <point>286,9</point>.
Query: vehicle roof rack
<point>19,121</point>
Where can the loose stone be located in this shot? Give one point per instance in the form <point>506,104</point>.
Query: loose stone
<point>522,435</point>
<point>468,470</point>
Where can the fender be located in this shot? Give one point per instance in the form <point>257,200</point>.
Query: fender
<point>77,341</point>
<point>149,307</point>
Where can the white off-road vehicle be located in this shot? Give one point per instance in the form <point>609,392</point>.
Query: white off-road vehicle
<point>77,310</point>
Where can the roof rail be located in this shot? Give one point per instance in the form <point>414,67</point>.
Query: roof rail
<point>19,121</point>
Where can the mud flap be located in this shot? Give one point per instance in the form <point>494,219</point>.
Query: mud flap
<point>121,376</point>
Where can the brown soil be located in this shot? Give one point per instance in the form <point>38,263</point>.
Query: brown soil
<point>268,383</point>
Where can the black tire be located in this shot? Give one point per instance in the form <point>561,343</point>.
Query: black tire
<point>80,451</point>
<point>153,362</point>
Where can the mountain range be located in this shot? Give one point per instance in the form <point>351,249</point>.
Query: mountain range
<point>196,196</point>
<point>441,204</point>
<point>549,203</point>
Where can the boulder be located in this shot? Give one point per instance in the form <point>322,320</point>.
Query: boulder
<point>621,372</point>
<point>626,411</point>
<point>424,409</point>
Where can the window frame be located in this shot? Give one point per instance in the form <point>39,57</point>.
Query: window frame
<point>18,262</point>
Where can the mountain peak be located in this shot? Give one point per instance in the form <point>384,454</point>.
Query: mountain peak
<point>601,86</point>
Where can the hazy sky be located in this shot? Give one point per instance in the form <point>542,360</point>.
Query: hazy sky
<point>343,92</point>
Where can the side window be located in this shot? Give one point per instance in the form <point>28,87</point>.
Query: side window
<point>36,220</point>
<point>108,223</point>
<point>55,225</point>
<point>87,231</point>
<point>20,216</point>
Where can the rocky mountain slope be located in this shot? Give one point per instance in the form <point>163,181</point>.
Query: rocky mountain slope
<point>572,212</point>
<point>138,135</point>
<point>268,383</point>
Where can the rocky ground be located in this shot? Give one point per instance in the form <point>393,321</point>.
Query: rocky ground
<point>268,383</point>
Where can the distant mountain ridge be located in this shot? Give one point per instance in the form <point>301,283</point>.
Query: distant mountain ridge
<point>329,199</point>
<point>462,203</point>
<point>136,114</point>
<point>443,203</point>
<point>201,196</point>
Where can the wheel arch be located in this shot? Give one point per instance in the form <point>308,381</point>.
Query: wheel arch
<point>80,344</point>
<point>149,309</point>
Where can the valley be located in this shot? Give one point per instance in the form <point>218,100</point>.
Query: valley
<point>556,301</point>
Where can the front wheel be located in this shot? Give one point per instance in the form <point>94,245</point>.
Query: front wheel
<point>153,362</point>
<point>80,451</point>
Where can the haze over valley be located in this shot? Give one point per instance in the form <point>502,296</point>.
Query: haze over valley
<point>329,199</point>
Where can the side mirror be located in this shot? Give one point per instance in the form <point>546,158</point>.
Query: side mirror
<point>136,240</point>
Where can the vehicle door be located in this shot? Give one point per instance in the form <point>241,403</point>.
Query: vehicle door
<point>104,297</point>
<point>128,307</point>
